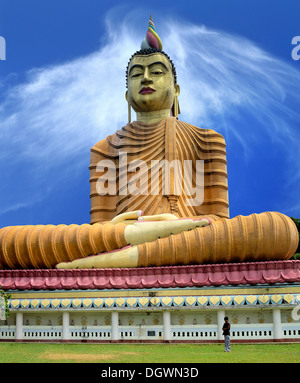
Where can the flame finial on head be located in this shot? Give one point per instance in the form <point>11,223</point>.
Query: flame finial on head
<point>152,39</point>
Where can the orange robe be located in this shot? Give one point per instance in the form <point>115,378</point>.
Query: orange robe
<point>168,140</point>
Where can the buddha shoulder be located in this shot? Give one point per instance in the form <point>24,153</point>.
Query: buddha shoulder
<point>208,135</point>
<point>104,147</point>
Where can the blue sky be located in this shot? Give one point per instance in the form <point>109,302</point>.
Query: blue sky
<point>62,89</point>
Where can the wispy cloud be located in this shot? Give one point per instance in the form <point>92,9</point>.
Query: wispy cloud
<point>229,84</point>
<point>227,75</point>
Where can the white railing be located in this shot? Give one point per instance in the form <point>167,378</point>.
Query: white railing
<point>125,332</point>
<point>141,332</point>
<point>42,332</point>
<point>90,333</point>
<point>195,332</point>
<point>156,332</point>
<point>130,332</point>
<point>7,332</point>
<point>291,330</point>
<point>252,331</point>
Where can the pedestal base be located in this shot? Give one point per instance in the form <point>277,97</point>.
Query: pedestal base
<point>156,304</point>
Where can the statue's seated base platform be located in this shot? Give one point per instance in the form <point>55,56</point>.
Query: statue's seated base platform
<point>154,304</point>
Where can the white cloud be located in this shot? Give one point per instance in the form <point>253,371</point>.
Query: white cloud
<point>225,75</point>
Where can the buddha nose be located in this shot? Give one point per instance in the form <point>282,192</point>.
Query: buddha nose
<point>146,78</point>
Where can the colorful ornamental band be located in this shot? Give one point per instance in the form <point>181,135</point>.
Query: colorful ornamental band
<point>166,301</point>
<point>152,39</point>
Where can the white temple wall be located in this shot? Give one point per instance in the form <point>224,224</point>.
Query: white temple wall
<point>181,325</point>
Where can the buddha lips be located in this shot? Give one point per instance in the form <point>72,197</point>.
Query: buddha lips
<point>147,90</point>
<point>133,178</point>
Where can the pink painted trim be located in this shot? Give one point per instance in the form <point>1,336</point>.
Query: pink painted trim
<point>251,273</point>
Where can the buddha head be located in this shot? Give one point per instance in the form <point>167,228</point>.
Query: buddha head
<point>151,78</point>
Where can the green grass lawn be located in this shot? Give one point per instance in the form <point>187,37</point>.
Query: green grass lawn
<point>148,353</point>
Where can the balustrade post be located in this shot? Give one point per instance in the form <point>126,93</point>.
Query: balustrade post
<point>19,326</point>
<point>167,325</point>
<point>114,326</point>
<point>66,326</point>
<point>277,331</point>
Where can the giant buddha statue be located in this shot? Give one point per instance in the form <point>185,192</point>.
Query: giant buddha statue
<point>159,193</point>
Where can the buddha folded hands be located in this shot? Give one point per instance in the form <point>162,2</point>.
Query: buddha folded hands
<point>174,172</point>
<point>44,246</point>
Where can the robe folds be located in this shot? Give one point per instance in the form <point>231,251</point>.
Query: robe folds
<point>199,159</point>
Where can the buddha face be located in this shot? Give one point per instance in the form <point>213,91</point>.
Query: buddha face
<point>151,83</point>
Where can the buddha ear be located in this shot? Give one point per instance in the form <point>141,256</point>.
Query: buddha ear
<point>175,108</point>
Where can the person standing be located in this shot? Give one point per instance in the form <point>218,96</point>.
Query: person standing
<point>226,333</point>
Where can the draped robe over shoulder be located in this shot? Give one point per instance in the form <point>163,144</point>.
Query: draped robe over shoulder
<point>168,140</point>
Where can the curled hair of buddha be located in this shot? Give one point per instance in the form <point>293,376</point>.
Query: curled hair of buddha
<point>148,51</point>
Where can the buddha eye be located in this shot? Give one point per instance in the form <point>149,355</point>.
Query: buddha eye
<point>136,75</point>
<point>157,72</point>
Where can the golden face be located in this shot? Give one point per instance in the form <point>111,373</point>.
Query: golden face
<point>151,83</point>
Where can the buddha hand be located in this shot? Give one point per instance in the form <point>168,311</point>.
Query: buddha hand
<point>141,231</point>
<point>131,217</point>
<point>148,229</point>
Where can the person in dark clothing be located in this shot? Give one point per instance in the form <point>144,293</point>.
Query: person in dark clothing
<point>226,333</point>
